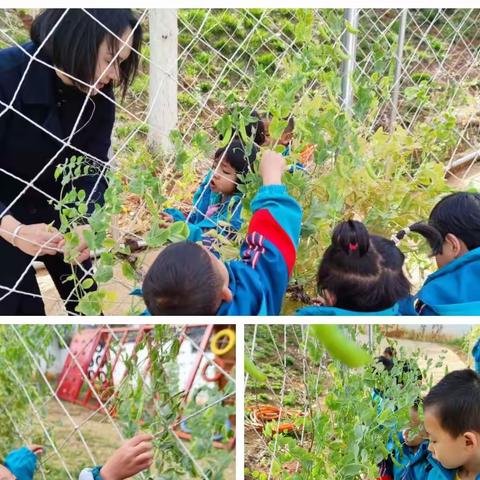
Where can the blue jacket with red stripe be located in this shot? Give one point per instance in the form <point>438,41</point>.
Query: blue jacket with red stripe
<point>259,280</point>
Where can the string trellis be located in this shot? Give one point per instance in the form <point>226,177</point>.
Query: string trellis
<point>421,64</point>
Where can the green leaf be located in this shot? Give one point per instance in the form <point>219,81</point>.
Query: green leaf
<point>178,231</point>
<point>128,271</point>
<point>87,283</point>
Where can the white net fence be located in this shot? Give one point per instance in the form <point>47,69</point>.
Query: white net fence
<point>312,416</point>
<point>393,89</point>
<point>82,399</point>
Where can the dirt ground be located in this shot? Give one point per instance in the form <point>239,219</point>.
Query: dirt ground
<point>123,302</point>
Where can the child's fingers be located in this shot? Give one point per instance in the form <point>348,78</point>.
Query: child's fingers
<point>36,449</point>
<point>141,437</point>
<point>145,460</point>
<point>142,448</point>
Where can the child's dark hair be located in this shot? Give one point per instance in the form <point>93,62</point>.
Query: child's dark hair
<point>386,362</point>
<point>182,281</point>
<point>458,214</point>
<point>73,46</point>
<point>456,402</point>
<point>389,351</point>
<point>236,155</point>
<point>363,271</point>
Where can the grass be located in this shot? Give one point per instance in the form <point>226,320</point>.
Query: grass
<point>99,435</point>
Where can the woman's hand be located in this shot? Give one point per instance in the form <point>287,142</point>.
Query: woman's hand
<point>36,239</point>
<point>133,457</point>
<point>81,248</point>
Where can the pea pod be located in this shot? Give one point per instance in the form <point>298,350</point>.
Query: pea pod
<point>339,347</point>
<point>254,371</point>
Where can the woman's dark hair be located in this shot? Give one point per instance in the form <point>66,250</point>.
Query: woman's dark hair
<point>458,214</point>
<point>456,402</point>
<point>182,281</point>
<point>255,130</point>
<point>236,155</point>
<point>363,271</point>
<point>73,46</point>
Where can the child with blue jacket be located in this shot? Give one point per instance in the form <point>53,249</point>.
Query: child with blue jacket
<point>453,232</point>
<point>20,464</point>
<point>359,274</point>
<point>134,456</point>
<point>452,423</point>
<point>186,279</point>
<point>409,452</point>
<point>217,202</point>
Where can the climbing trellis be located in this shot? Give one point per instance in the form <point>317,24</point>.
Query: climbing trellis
<point>420,64</point>
<point>146,396</point>
<point>313,416</point>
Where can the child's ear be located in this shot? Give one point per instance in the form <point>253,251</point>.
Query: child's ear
<point>330,298</point>
<point>226,295</point>
<point>457,247</point>
<point>471,440</point>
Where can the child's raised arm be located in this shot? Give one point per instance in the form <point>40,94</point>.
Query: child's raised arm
<point>274,232</point>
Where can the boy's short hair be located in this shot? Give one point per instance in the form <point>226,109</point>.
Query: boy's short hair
<point>182,281</point>
<point>456,400</point>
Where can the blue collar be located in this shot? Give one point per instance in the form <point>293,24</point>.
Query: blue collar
<point>333,311</point>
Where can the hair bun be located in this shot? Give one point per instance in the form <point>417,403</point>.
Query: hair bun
<point>352,237</point>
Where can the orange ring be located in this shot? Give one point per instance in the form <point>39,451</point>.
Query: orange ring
<point>218,375</point>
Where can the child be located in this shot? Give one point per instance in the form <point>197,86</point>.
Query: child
<point>453,232</point>
<point>410,456</point>
<point>360,274</point>
<point>217,202</point>
<point>452,422</point>
<point>285,139</point>
<point>21,464</point>
<point>133,457</point>
<point>186,279</point>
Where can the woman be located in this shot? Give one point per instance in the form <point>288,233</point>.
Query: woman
<point>39,109</point>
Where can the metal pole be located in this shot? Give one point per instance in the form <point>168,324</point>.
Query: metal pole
<point>398,69</point>
<point>370,337</point>
<point>349,42</point>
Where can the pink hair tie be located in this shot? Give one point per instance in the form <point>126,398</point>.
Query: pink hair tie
<point>352,247</point>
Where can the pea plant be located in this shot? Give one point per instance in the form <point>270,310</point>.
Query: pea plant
<point>312,416</point>
<point>148,397</point>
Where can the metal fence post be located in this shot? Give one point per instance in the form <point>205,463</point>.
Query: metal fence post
<point>349,42</point>
<point>398,69</point>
